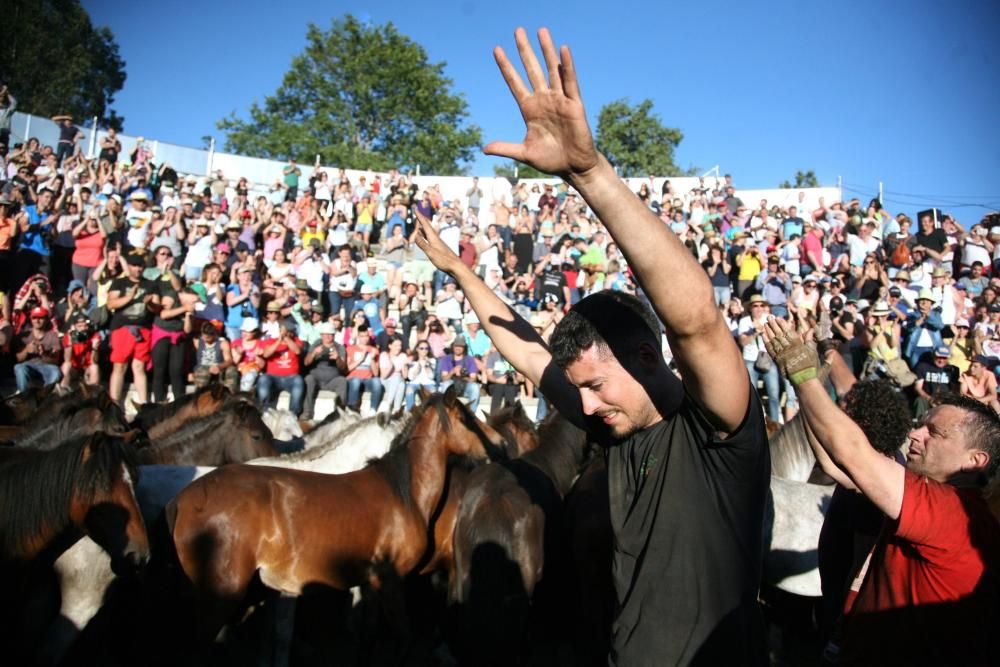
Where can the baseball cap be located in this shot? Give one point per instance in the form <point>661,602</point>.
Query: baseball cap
<point>895,291</point>
<point>249,324</point>
<point>135,259</point>
<point>961,322</point>
<point>390,322</point>
<point>326,328</point>
<point>367,289</point>
<point>942,352</point>
<point>39,311</point>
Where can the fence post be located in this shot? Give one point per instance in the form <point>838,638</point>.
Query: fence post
<point>93,139</point>
<point>211,155</point>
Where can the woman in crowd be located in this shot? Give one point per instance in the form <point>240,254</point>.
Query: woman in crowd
<point>420,373</point>
<point>242,302</point>
<point>393,368</point>
<point>171,326</point>
<point>90,238</point>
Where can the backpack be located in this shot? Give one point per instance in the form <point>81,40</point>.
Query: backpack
<point>900,255</point>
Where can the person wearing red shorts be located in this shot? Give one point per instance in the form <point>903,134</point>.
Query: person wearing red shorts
<point>133,300</point>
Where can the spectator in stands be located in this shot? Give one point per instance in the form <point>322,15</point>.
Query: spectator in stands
<point>420,373</point>
<point>133,300</point>
<point>759,364</point>
<point>980,383</point>
<point>460,370</point>
<point>81,345</point>
<point>935,378</point>
<point>923,328</point>
<point>213,360</point>
<point>393,365</point>
<point>363,371</point>
<point>172,327</point>
<point>502,381</point>
<point>326,364</point>
<point>281,371</point>
<point>292,173</point>
<point>38,351</point>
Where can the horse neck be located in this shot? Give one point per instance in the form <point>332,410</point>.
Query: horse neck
<point>428,462</point>
<point>559,456</point>
<point>791,456</point>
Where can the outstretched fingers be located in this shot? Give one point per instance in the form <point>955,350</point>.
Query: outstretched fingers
<point>551,58</point>
<point>567,74</point>
<point>531,66</point>
<point>510,75</point>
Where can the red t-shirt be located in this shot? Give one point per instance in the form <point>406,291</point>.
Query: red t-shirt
<point>83,353</point>
<point>931,594</point>
<point>282,362</point>
<point>810,243</point>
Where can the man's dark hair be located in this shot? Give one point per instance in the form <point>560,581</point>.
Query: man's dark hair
<point>982,430</point>
<point>615,321</point>
<point>881,412</point>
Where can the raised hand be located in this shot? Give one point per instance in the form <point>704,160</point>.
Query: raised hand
<point>437,251</point>
<point>797,359</point>
<point>558,139</point>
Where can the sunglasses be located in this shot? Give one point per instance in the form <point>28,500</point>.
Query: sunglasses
<point>424,348</point>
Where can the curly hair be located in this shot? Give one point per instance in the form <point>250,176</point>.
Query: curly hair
<point>881,412</point>
<point>616,322</point>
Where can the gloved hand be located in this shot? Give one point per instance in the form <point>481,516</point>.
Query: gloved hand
<point>797,360</point>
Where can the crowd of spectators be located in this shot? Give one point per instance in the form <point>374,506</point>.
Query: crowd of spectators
<point>118,268</point>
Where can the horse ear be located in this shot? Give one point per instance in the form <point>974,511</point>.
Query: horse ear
<point>519,409</point>
<point>486,415</point>
<point>135,406</point>
<point>398,414</point>
<point>217,391</point>
<point>423,393</point>
<point>382,418</point>
<point>450,396</point>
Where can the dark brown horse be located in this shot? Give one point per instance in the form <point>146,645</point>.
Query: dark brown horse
<point>78,418</point>
<point>234,434</point>
<point>333,531</point>
<point>84,485</point>
<point>17,409</point>
<point>161,419</point>
<point>507,541</point>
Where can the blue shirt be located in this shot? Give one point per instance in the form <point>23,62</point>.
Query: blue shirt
<point>371,310</point>
<point>36,238</point>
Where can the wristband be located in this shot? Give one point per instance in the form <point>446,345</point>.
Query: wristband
<point>803,375</point>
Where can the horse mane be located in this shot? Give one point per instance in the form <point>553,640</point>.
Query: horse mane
<point>503,419</point>
<point>561,451</point>
<point>195,429</point>
<point>62,426</point>
<point>313,453</point>
<point>394,465</point>
<point>151,414</point>
<point>791,456</point>
<point>37,487</point>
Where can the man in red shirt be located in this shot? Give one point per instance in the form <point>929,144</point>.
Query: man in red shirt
<point>80,345</point>
<point>929,593</point>
<point>281,369</point>
<point>812,249</point>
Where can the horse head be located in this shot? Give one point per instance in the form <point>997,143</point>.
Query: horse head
<point>516,428</point>
<point>104,503</point>
<point>464,435</point>
<point>250,434</point>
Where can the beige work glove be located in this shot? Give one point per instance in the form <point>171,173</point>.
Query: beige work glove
<point>797,360</point>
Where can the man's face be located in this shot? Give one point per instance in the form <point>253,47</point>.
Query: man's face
<point>977,270</point>
<point>326,339</point>
<point>938,448</point>
<point>610,392</point>
<point>924,305</point>
<point>77,296</point>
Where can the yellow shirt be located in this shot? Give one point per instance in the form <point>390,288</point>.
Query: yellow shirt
<point>749,268</point>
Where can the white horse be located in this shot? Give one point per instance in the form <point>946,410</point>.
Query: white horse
<point>794,515</point>
<point>84,570</point>
<point>284,424</point>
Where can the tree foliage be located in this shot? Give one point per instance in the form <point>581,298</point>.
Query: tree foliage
<point>360,96</point>
<point>523,171</point>
<point>803,179</point>
<point>56,62</point>
<point>635,140</point>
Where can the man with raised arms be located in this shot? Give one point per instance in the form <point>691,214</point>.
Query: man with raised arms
<point>688,463</point>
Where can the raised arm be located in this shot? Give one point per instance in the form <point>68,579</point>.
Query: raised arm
<point>879,478</point>
<point>559,141</point>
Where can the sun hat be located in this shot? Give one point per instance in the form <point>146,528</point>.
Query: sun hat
<point>249,324</point>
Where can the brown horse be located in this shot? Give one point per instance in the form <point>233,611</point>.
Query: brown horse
<point>508,540</point>
<point>84,485</point>
<point>17,409</point>
<point>161,420</point>
<point>81,418</point>
<point>299,528</point>
<point>234,434</point>
<point>516,428</point>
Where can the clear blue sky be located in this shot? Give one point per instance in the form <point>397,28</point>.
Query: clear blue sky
<point>902,92</point>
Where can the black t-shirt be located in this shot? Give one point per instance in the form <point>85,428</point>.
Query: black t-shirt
<point>936,240</point>
<point>937,380</point>
<point>174,324</point>
<point>687,511</point>
<point>552,282</point>
<point>134,313</point>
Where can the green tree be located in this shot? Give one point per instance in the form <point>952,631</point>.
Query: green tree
<point>523,171</point>
<point>803,179</point>
<point>56,62</point>
<point>634,139</point>
<point>360,96</point>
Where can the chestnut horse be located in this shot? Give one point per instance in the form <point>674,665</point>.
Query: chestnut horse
<point>517,429</point>
<point>160,420</point>
<point>300,528</point>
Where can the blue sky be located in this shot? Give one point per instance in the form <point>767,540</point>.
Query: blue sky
<point>902,92</point>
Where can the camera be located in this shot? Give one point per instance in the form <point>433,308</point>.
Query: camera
<point>79,336</point>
